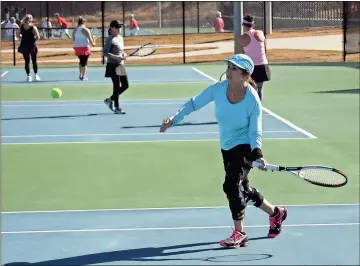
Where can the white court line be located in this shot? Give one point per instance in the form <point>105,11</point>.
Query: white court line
<point>132,141</point>
<point>85,104</point>
<point>130,134</point>
<point>100,82</point>
<point>170,228</point>
<point>184,208</point>
<point>111,134</point>
<point>3,74</point>
<point>289,123</point>
<point>268,111</point>
<point>95,101</point>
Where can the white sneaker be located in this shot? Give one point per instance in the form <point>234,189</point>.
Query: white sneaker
<point>36,77</point>
<point>29,79</point>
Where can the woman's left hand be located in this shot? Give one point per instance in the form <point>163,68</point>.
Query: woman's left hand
<point>263,163</point>
<point>124,55</point>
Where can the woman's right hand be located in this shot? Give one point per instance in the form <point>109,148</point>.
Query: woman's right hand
<point>166,124</point>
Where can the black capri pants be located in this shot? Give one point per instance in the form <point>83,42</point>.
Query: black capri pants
<point>237,164</point>
<point>83,60</point>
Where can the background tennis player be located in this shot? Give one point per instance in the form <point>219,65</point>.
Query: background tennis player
<point>82,39</point>
<point>239,115</point>
<point>28,45</point>
<point>114,51</point>
<point>253,44</point>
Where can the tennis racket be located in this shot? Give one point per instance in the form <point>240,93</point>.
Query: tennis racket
<point>144,50</point>
<point>323,176</point>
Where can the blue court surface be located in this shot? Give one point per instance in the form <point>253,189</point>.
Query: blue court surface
<point>28,122</point>
<point>317,234</point>
<point>314,234</point>
<point>91,121</point>
<point>96,75</point>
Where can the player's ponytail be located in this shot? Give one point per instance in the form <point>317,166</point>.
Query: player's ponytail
<point>249,79</point>
<point>252,82</point>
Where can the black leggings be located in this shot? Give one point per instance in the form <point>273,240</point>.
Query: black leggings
<point>237,166</point>
<point>83,60</point>
<point>120,84</point>
<point>27,62</point>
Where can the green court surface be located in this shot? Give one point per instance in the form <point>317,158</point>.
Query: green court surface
<point>323,100</point>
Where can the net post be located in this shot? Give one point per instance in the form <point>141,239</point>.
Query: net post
<point>102,30</point>
<point>183,18</point>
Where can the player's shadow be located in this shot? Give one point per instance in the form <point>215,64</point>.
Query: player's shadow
<point>54,116</point>
<point>148,255</point>
<point>355,65</point>
<point>348,91</point>
<point>179,125</point>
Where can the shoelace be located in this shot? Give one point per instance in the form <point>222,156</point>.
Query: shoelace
<point>272,222</point>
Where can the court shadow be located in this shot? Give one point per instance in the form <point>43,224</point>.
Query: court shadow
<point>355,65</point>
<point>258,238</point>
<point>148,255</point>
<point>48,81</point>
<point>54,117</point>
<point>179,125</point>
<point>349,91</point>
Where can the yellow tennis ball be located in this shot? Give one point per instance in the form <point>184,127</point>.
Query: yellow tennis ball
<point>56,93</point>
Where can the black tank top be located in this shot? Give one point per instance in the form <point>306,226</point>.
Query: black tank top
<point>27,36</point>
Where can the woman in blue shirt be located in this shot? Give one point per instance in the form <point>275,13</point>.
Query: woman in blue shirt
<point>238,111</point>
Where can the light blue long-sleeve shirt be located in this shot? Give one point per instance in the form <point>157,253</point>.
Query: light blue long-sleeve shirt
<point>239,123</point>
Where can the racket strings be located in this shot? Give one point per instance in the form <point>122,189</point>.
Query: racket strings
<point>146,50</point>
<point>323,177</point>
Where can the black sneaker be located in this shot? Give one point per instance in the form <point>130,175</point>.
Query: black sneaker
<point>118,111</point>
<point>109,103</point>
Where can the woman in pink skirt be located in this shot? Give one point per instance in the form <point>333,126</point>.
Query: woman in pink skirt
<point>82,37</point>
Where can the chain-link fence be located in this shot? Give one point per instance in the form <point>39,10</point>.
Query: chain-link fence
<point>165,22</point>
<point>351,28</point>
<point>302,15</point>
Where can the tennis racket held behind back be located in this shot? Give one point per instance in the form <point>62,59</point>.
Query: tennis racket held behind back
<point>323,176</point>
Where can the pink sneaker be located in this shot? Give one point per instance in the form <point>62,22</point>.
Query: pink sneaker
<point>236,240</point>
<point>276,222</point>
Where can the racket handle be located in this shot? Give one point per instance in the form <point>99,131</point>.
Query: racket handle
<point>268,166</point>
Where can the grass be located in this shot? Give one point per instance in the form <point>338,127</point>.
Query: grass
<point>323,100</point>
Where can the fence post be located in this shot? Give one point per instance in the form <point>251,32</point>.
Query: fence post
<point>268,17</point>
<point>159,14</point>
<point>344,25</point>
<point>184,40</point>
<point>14,47</point>
<point>238,15</point>
<point>49,31</point>
<point>103,30</point>
<point>198,15</point>
<point>123,12</point>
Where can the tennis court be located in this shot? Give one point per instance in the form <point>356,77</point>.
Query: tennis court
<point>84,186</point>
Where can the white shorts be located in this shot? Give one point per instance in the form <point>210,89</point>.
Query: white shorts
<point>66,31</point>
<point>134,31</point>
